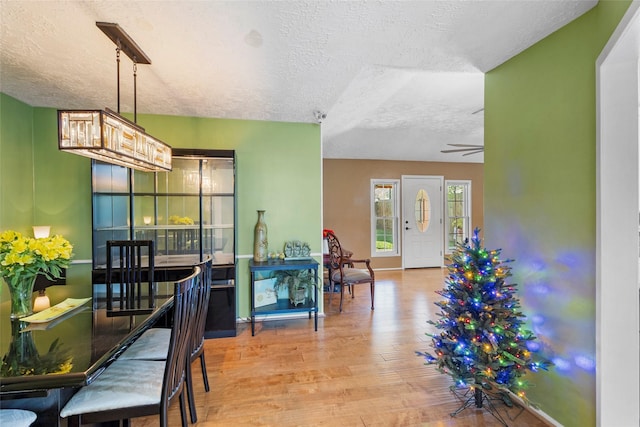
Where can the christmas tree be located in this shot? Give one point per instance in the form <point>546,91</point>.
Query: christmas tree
<point>482,343</point>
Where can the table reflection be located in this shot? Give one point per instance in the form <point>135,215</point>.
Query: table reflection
<point>23,357</point>
<point>73,349</point>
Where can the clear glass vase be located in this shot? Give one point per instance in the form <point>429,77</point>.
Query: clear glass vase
<point>21,294</point>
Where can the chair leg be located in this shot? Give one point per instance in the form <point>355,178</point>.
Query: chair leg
<point>341,295</point>
<point>373,287</point>
<point>205,377</point>
<point>190,395</point>
<point>183,410</point>
<point>331,286</point>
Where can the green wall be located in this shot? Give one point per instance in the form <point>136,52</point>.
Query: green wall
<point>16,165</point>
<point>278,170</point>
<point>540,177</point>
<point>41,186</point>
<point>62,184</point>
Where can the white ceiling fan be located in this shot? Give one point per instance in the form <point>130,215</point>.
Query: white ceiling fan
<point>470,148</point>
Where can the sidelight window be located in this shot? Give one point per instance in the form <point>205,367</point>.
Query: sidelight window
<point>384,217</point>
<point>458,212</point>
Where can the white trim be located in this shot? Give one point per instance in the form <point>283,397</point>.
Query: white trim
<point>617,207</point>
<point>81,261</point>
<point>276,316</point>
<point>535,411</point>
<point>322,226</point>
<point>468,183</point>
<point>396,210</point>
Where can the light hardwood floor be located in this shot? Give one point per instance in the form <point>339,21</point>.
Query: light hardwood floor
<point>358,369</point>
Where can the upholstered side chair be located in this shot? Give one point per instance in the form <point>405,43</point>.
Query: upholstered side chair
<point>343,271</point>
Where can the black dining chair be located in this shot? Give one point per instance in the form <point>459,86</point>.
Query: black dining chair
<point>137,388</point>
<point>197,336</point>
<point>153,343</point>
<point>130,266</point>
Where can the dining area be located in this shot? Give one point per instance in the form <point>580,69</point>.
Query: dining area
<point>133,299</point>
<point>130,335</point>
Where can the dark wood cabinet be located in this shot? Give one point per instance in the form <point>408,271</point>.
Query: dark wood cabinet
<point>189,213</point>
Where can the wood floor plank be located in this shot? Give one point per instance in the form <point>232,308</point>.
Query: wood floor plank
<point>358,369</point>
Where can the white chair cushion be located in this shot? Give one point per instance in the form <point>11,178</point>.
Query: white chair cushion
<point>351,275</point>
<point>153,344</point>
<point>16,417</point>
<point>124,384</point>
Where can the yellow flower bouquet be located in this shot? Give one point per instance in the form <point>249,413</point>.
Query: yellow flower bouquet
<point>23,258</point>
<point>181,220</point>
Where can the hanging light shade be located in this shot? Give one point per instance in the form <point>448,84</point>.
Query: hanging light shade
<point>107,136</point>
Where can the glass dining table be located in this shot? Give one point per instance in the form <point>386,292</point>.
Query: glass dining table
<point>43,363</point>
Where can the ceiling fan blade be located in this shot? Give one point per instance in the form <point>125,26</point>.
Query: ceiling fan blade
<point>467,145</point>
<point>462,149</point>
<point>473,152</point>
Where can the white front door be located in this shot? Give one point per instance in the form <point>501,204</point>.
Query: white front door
<point>422,236</point>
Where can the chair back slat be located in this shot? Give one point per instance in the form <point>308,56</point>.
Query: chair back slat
<point>203,296</point>
<point>184,300</point>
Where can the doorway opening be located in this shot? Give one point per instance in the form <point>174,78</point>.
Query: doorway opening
<point>617,226</point>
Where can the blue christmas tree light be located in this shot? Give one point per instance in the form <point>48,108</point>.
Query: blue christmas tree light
<point>482,343</point>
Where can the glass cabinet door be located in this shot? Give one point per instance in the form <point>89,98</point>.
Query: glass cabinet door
<point>189,212</point>
<point>218,209</point>
<point>178,213</point>
<point>110,208</point>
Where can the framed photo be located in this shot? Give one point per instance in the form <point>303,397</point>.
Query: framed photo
<point>264,292</point>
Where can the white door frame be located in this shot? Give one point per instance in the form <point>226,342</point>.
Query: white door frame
<point>617,207</point>
<point>403,214</point>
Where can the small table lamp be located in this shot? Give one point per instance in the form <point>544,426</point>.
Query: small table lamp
<point>42,300</point>
<point>40,231</point>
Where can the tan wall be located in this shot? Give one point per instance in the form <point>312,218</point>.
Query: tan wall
<point>347,205</point>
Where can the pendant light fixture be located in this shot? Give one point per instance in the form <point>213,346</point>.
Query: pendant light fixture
<point>107,136</point>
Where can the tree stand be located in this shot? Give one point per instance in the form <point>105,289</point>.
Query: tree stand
<point>476,396</point>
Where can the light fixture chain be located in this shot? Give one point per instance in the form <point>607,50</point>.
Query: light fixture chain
<point>118,72</point>
<point>135,91</point>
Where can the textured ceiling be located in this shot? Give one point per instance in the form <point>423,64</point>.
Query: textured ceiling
<point>396,79</point>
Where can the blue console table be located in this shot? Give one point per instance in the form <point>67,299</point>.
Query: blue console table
<point>284,305</point>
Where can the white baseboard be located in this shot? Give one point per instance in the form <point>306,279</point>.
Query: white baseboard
<point>270,317</point>
<point>537,412</point>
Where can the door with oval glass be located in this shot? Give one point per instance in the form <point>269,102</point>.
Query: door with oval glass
<point>422,235</point>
